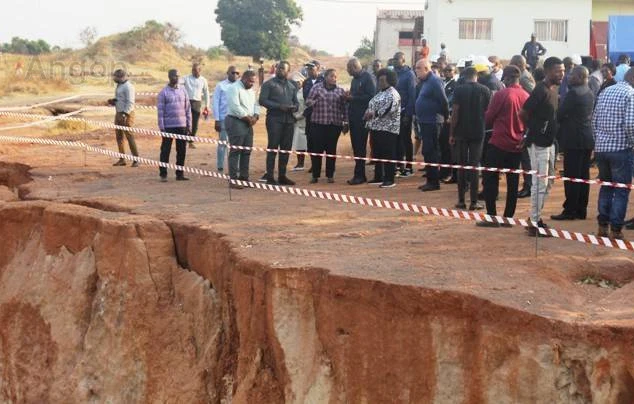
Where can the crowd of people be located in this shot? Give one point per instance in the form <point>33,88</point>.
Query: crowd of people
<point>474,113</point>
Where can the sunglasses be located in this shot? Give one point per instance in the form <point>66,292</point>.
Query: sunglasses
<point>235,73</point>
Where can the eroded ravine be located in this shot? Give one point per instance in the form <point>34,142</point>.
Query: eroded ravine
<point>109,307</point>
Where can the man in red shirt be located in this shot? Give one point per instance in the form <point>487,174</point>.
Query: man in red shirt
<point>505,146</point>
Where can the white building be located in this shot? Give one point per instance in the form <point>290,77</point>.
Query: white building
<point>396,31</point>
<point>501,27</point>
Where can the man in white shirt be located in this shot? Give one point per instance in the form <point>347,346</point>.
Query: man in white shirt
<point>198,92</point>
<point>220,113</point>
<point>243,113</point>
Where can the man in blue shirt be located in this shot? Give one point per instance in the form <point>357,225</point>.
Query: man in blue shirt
<point>622,68</point>
<point>220,112</point>
<point>613,124</point>
<point>431,102</point>
<point>406,87</point>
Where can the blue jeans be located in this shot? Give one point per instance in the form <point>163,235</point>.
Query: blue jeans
<point>614,167</point>
<point>429,133</point>
<point>221,151</point>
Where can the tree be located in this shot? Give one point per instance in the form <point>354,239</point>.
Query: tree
<point>257,28</point>
<point>365,50</point>
<point>25,46</point>
<point>172,34</point>
<point>88,35</point>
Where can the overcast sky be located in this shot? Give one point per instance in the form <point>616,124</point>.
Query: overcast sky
<point>336,26</point>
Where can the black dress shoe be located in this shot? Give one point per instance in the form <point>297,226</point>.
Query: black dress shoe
<point>314,180</point>
<point>563,216</point>
<point>182,178</point>
<point>524,193</point>
<point>284,180</point>
<point>534,232</point>
<point>356,181</point>
<point>430,187</point>
<point>475,206</point>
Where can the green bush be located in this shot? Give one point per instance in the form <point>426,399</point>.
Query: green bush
<point>25,46</point>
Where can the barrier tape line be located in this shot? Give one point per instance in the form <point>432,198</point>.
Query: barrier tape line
<point>153,132</point>
<point>41,104</point>
<point>36,123</point>
<point>72,97</point>
<point>345,198</point>
<point>109,108</point>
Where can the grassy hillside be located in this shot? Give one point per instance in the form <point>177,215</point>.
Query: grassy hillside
<point>147,52</point>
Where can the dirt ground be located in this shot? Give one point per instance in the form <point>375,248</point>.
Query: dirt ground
<point>504,266</point>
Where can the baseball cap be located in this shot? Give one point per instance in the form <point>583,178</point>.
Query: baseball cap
<point>481,68</point>
<point>312,63</point>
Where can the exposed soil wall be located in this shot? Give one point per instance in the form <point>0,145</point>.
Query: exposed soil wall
<point>109,307</point>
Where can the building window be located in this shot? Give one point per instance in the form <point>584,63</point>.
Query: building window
<point>479,28</point>
<point>406,38</point>
<point>552,30</point>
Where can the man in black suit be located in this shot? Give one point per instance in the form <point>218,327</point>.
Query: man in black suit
<point>575,131</point>
<point>361,92</point>
<point>313,77</point>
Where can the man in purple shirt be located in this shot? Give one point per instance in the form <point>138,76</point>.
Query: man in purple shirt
<point>174,116</point>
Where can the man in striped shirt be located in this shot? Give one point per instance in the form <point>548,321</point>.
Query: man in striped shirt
<point>613,124</point>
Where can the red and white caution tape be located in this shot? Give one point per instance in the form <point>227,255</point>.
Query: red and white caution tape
<point>43,121</point>
<point>153,132</point>
<point>69,98</point>
<point>343,198</point>
<point>42,104</point>
<point>110,108</point>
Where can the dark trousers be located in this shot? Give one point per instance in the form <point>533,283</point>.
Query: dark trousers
<point>307,132</point>
<point>166,148</point>
<point>429,133</point>
<point>577,165</point>
<point>468,153</point>
<point>195,105</point>
<point>483,157</point>
<point>239,133</point>
<point>325,138</point>
<point>359,140</point>
<point>384,146</point>
<point>445,150</point>
<point>501,159</point>
<point>526,166</point>
<point>404,146</point>
<point>280,136</point>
